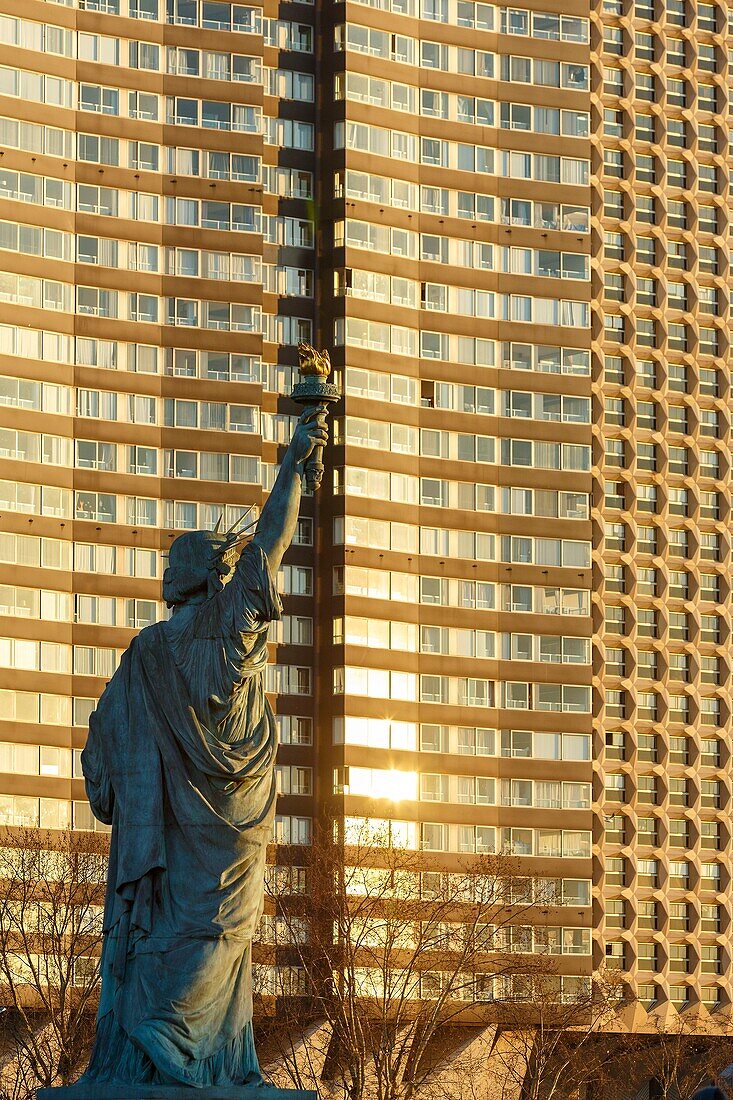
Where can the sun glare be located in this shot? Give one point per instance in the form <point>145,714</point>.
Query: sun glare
<point>395,785</point>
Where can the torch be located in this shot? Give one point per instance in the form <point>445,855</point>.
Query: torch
<point>312,391</point>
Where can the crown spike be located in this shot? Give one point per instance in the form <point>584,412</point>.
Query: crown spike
<point>234,541</point>
<point>244,533</point>
<point>238,522</point>
<point>219,522</point>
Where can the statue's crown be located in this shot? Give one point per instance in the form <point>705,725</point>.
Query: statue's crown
<point>312,361</point>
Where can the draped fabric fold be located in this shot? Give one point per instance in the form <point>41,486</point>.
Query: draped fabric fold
<point>180,761</point>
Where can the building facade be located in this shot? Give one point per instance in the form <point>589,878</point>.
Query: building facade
<point>455,278</point>
<point>158,237</point>
<point>509,225</point>
<point>660,171</point>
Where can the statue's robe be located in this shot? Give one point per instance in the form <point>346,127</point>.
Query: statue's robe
<point>180,761</point>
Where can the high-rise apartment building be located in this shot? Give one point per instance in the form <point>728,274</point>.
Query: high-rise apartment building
<point>510,227</point>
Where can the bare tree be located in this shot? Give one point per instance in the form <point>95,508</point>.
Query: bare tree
<point>547,1046</point>
<point>389,956</point>
<point>51,899</point>
<point>682,1055</point>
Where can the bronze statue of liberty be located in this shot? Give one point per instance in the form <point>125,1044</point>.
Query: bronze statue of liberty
<point>180,761</point>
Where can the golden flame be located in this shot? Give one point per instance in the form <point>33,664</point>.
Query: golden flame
<point>312,361</point>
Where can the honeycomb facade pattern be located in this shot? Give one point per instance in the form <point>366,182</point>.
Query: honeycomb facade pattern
<point>661,394</point>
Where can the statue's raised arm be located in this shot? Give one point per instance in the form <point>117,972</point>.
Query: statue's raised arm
<point>180,761</point>
<point>276,527</point>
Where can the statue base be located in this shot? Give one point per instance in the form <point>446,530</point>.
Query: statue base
<point>92,1091</point>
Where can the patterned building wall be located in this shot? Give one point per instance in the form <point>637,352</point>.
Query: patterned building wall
<point>661,410</point>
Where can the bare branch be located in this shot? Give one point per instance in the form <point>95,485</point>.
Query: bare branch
<point>395,950</point>
<point>51,899</point>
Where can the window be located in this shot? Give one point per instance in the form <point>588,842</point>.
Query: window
<point>710,672</point>
<point>615,412</point>
<point>678,502</point>
<point>644,47</point>
<point>710,628</point>
<point>646,623</point>
<point>647,955</point>
<point>616,537</point>
<point>677,93</point>
<point>613,123</point>
<point>710,796</point>
<point>679,829</point>
<point>706,57</point>
<point>646,250</point>
<point>613,204</point>
<point>615,914</point>
<point>677,214</point>
<point>647,833</point>
<point>710,587</point>
<point>679,794</point>
<point>708,219</point>
<point>646,169</point>
<point>648,915</point>
<point>647,872</point>
<point>614,247</point>
<point>646,498</point>
<point>616,872</point>
<point>710,918</point>
<point>679,460</point>
<point>707,17</point>
<point>646,332</point>
<point>614,448</point>
<point>644,127</point>
<point>613,163</point>
<point>613,40</point>
<point>614,495</point>
<point>614,330</point>
<point>615,955</point>
<point>646,374</point>
<point>678,337</point>
<point>615,788</point>
<point>615,704</point>
<point>646,789</point>
<point>709,382</point>
<point>709,423</point>
<point>614,287</point>
<point>677,254</point>
<point>615,620</point>
<point>615,578</point>
<point>679,955</point>
<point>645,87</point>
<point>647,705</point>
<point>710,835</point>
<point>647,745</point>
<point>646,457</point>
<point>102,100</point>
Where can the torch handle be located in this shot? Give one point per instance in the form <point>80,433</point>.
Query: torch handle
<point>314,469</point>
<point>314,463</point>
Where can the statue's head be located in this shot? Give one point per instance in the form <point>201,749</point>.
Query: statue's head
<point>197,560</point>
<point>196,565</point>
